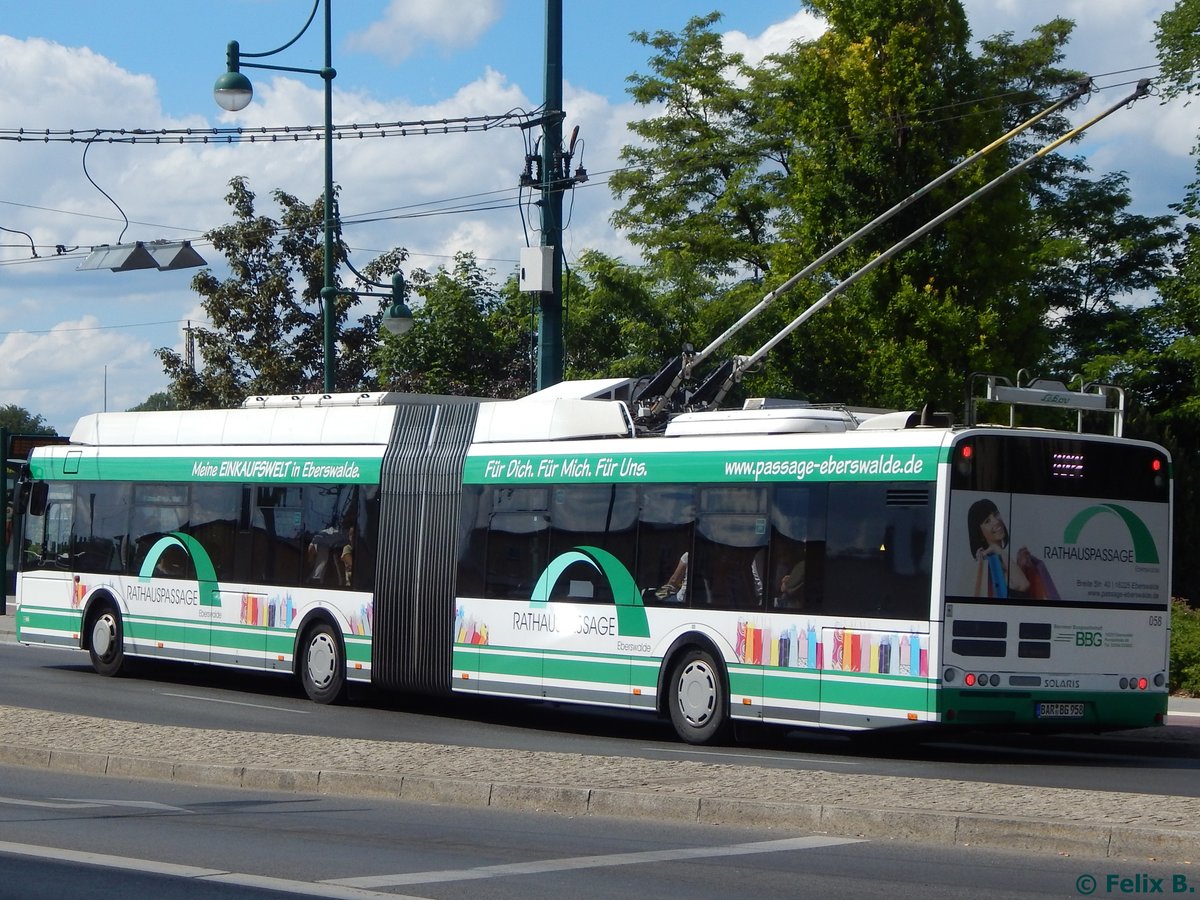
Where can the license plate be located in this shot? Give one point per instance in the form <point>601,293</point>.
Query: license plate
<point>1060,710</point>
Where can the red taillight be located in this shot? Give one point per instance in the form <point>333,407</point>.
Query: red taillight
<point>970,679</point>
<point>1156,465</point>
<point>1142,682</point>
<point>967,451</point>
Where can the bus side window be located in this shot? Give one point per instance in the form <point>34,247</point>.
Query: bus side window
<point>101,526</point>
<point>731,548</point>
<point>666,523</point>
<point>47,540</point>
<point>880,549</point>
<point>213,521</point>
<point>474,514</point>
<point>277,527</point>
<point>517,542</point>
<point>591,515</point>
<point>797,547</point>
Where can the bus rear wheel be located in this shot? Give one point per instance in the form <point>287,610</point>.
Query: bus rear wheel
<point>698,698</point>
<point>106,644</point>
<point>322,664</point>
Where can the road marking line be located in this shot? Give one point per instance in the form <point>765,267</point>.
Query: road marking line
<point>538,867</point>
<point>782,758</point>
<point>47,804</point>
<point>71,803</point>
<point>135,804</point>
<point>299,712</point>
<point>221,876</point>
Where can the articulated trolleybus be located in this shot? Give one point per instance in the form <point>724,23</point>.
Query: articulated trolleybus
<point>784,564</point>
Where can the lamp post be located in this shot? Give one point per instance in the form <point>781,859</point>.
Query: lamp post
<point>233,92</point>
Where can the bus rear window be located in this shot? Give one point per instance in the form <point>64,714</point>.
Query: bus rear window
<point>1060,466</point>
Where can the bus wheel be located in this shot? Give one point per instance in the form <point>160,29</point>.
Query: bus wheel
<point>322,667</point>
<point>107,643</point>
<point>698,698</point>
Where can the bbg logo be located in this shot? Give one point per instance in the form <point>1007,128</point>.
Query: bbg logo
<point>1089,639</point>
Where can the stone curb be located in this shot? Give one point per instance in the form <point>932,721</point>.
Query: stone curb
<point>1029,835</point>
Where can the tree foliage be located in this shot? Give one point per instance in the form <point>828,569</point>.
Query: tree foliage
<point>750,174</point>
<point>696,186</point>
<point>18,420</point>
<point>454,346</point>
<point>266,333</point>
<point>159,400</point>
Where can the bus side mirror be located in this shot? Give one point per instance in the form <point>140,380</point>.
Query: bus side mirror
<point>38,495</point>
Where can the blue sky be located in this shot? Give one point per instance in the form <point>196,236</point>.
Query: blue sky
<point>74,342</point>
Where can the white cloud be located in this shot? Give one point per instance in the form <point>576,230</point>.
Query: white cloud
<point>408,24</point>
<point>777,38</point>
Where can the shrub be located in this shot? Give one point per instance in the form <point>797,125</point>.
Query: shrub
<point>1185,648</point>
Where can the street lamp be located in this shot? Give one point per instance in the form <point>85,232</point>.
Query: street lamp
<point>233,92</point>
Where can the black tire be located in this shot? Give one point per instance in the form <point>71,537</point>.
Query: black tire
<point>106,640</point>
<point>698,698</point>
<point>323,664</point>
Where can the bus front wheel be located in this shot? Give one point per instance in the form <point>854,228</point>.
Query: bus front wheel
<point>106,645</point>
<point>322,664</point>
<point>698,698</point>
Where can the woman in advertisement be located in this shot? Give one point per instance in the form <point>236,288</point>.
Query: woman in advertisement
<point>995,574</point>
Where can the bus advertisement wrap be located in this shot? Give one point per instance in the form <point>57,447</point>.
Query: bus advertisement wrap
<point>1017,547</point>
<point>915,464</point>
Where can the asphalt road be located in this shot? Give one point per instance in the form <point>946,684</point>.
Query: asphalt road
<point>76,836</point>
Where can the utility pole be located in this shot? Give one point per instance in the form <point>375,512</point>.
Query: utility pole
<point>550,322</point>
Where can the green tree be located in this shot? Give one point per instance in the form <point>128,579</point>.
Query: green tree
<point>157,401</point>
<point>1092,254</point>
<point>623,320</point>
<point>452,347</point>
<point>696,185</point>
<point>758,171</point>
<point>266,335</point>
<point>18,420</point>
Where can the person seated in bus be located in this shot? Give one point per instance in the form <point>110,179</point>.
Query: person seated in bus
<point>675,588</point>
<point>791,588</point>
<point>330,555</point>
<point>346,559</point>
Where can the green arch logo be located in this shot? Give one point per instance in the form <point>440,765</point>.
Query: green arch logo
<point>631,614</point>
<point>1144,548</point>
<point>206,574</point>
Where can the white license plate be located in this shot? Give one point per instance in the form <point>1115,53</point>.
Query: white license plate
<point>1060,710</point>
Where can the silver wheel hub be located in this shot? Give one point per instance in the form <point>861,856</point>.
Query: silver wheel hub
<point>697,693</point>
<point>322,660</point>
<point>104,633</point>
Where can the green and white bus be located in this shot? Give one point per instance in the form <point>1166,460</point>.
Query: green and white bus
<point>797,565</point>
